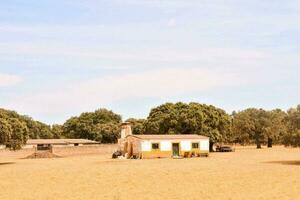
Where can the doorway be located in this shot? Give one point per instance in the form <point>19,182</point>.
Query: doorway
<point>175,149</point>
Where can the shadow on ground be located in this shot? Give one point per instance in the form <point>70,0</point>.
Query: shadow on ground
<point>285,162</point>
<point>6,163</point>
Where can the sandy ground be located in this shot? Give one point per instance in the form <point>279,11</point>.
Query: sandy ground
<point>245,174</point>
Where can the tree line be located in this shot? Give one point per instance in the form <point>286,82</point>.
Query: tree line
<point>249,126</point>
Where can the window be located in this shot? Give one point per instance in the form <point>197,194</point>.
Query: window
<point>195,145</point>
<point>155,146</point>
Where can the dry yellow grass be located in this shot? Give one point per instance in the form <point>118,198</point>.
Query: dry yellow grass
<point>245,174</point>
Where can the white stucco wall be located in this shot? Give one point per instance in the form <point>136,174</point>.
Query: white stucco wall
<point>185,145</point>
<point>146,146</point>
<point>165,146</point>
<point>204,145</point>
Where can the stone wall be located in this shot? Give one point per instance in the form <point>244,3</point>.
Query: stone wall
<point>16,154</point>
<point>66,151</point>
<point>102,149</point>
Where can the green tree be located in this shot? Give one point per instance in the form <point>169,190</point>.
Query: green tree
<point>137,125</point>
<point>13,130</point>
<point>5,131</point>
<point>36,129</point>
<point>277,127</point>
<point>101,125</point>
<point>44,131</point>
<point>252,125</point>
<point>107,133</point>
<point>57,131</point>
<point>19,134</point>
<point>292,137</point>
<point>242,127</point>
<point>192,118</point>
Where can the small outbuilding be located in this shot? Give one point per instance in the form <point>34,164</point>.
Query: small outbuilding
<point>46,144</point>
<point>162,146</point>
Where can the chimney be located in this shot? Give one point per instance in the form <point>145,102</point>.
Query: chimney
<point>125,129</point>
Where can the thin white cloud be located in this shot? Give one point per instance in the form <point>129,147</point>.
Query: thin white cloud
<point>217,44</point>
<point>152,84</point>
<point>9,80</point>
<point>172,22</point>
<point>79,52</point>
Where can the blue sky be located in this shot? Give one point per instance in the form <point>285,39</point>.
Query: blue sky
<point>59,58</point>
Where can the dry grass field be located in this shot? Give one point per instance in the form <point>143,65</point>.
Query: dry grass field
<point>245,174</point>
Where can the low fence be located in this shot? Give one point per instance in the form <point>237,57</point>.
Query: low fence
<point>16,154</point>
<point>102,149</point>
<point>65,151</point>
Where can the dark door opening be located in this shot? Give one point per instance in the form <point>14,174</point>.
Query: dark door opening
<point>43,147</point>
<point>175,149</point>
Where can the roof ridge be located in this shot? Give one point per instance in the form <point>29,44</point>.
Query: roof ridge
<point>169,136</point>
